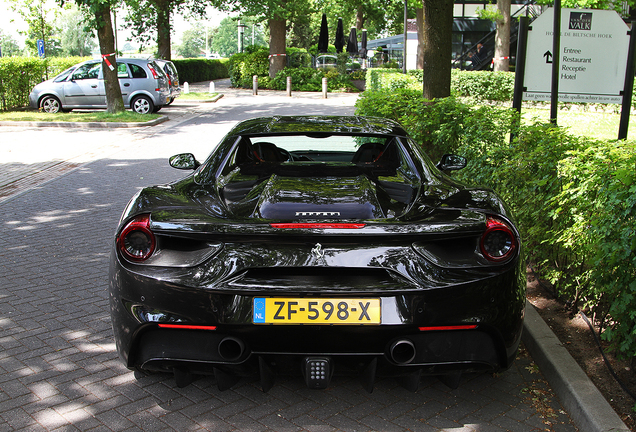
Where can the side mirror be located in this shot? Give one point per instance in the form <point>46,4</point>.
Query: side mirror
<point>184,161</point>
<point>451,162</point>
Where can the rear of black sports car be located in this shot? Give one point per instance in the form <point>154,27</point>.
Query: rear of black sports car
<point>355,256</point>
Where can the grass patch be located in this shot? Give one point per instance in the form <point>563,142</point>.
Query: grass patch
<point>80,117</point>
<point>196,96</point>
<point>589,124</point>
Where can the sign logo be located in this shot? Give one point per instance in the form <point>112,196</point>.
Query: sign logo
<point>317,213</point>
<point>580,21</point>
<point>317,251</point>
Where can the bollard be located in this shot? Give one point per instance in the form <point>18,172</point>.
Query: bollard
<point>324,88</point>
<point>255,85</point>
<point>212,89</point>
<point>186,87</point>
<point>289,86</point>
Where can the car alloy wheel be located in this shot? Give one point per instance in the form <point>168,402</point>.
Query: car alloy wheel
<point>51,105</point>
<point>142,105</point>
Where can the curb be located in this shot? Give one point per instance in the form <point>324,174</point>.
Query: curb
<point>89,125</point>
<point>587,407</point>
<point>199,101</point>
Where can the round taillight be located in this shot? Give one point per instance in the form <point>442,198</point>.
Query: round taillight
<point>498,243</point>
<point>136,242</point>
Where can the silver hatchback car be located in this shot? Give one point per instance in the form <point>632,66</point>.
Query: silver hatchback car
<point>143,83</point>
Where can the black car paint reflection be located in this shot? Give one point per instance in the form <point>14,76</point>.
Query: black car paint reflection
<point>341,221</point>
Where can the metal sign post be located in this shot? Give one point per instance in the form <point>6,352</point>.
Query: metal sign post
<point>629,86</point>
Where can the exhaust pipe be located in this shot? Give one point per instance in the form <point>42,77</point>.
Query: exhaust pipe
<point>402,351</point>
<point>231,349</point>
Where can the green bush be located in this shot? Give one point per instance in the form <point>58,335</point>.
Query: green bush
<point>440,127</point>
<point>574,198</point>
<point>310,79</point>
<point>197,70</point>
<point>243,66</point>
<point>483,85</point>
<point>374,77</point>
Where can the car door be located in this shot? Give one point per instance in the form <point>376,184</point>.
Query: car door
<point>82,87</point>
<point>125,82</point>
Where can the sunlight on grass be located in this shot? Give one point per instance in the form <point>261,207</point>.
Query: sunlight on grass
<point>196,96</point>
<point>123,117</point>
<point>589,124</point>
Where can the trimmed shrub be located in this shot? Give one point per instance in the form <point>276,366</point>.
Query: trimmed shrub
<point>310,79</point>
<point>197,70</point>
<point>483,85</point>
<point>243,66</point>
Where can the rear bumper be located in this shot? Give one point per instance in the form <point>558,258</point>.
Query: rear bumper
<point>423,323</point>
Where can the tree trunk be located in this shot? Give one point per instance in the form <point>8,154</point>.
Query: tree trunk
<point>437,51</point>
<point>419,15</point>
<point>106,39</point>
<point>360,19</point>
<point>502,38</point>
<point>277,58</point>
<point>163,29</point>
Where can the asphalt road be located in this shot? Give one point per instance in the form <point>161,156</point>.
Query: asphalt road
<point>58,366</point>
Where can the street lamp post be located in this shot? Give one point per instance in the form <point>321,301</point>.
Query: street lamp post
<point>241,32</point>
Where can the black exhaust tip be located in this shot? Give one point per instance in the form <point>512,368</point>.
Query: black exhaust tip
<point>402,351</point>
<point>231,349</point>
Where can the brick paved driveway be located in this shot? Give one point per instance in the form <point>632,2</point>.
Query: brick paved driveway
<point>58,364</point>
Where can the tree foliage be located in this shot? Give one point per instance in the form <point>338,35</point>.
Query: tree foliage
<point>8,45</point>
<point>224,38</point>
<point>151,20</point>
<point>592,4</point>
<point>41,22</point>
<point>76,38</point>
<point>192,42</point>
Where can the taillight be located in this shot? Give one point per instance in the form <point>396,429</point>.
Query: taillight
<point>136,242</point>
<point>498,243</point>
<point>155,75</point>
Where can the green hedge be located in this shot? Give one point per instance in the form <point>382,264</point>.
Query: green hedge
<point>18,75</point>
<point>574,198</point>
<point>482,86</point>
<point>243,67</point>
<point>197,70</point>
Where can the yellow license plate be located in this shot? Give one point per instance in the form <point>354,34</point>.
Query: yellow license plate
<point>274,310</point>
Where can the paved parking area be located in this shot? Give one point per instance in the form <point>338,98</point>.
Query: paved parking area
<point>58,365</point>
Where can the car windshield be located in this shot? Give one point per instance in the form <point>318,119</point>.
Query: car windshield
<point>61,77</point>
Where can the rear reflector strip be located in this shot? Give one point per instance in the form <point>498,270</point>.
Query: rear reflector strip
<point>457,327</point>
<point>187,327</point>
<point>318,225</point>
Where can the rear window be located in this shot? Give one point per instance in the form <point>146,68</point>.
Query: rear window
<point>137,71</point>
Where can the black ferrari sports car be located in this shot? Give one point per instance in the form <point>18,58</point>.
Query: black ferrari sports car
<point>317,245</point>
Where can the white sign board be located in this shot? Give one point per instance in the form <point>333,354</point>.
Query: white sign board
<point>592,60</point>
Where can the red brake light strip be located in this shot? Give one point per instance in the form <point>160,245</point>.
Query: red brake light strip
<point>318,225</point>
<point>187,327</point>
<point>456,327</point>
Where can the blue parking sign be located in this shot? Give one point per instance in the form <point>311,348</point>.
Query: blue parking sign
<point>40,47</point>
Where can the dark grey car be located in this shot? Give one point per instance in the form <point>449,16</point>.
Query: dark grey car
<point>143,83</point>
